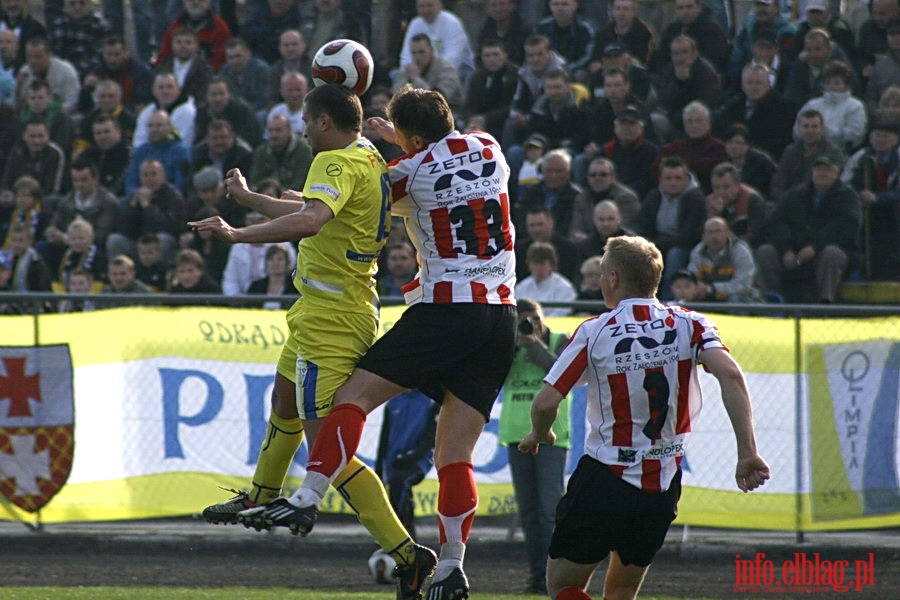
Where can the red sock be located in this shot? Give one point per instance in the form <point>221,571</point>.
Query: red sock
<point>457,499</point>
<point>337,440</point>
<point>572,593</point>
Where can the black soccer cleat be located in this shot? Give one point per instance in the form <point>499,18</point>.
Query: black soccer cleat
<point>227,512</point>
<point>280,513</point>
<point>411,577</point>
<point>454,586</point>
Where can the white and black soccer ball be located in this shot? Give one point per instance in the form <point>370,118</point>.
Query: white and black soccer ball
<point>381,567</point>
<point>346,62</point>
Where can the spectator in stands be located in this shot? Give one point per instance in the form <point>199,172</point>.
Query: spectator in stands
<point>589,289</point>
<point>818,15</point>
<point>60,74</point>
<point>615,56</point>
<point>80,281</point>
<point>222,149</point>
<point>293,89</point>
<point>36,155</point>
<point>688,78</point>
<point>81,253</point>
<point>872,41</point>
<point>327,20</point>
<point>108,95</point>
<point>504,24</point>
<point>150,267</point>
<point>293,58</point>
<point>16,18</point>
<point>123,278</point>
<point>693,19</point>
<point>627,30</point>
<point>169,97</point>
<point>191,276</point>
<point>9,56</point>
<point>768,116</point>
<point>266,22</point>
<point>209,192</point>
<point>795,165</point>
<point>38,104</point>
<point>889,105</point>
<point>736,203</point>
<point>764,53</point>
<point>607,223</point>
<point>286,156</point>
<point>89,201</point>
<point>699,148</point>
<point>163,145</point>
<point>278,280</point>
<point>27,209</point>
<point>110,152</point>
<point>246,262</point>
<point>672,217</point>
<point>545,284</point>
<point>401,269</point>
<point>723,265</point>
<point>492,86</point>
<point>213,250</point>
<point>211,33</point>
<point>807,73</point>
<point>430,71</point>
<point>539,60</point>
<point>447,35</point>
<point>844,116</point>
<point>30,272</point>
<point>188,64</point>
<point>631,153</point>
<point>766,16</point>
<point>602,185</point>
<point>76,35</point>
<point>530,173</point>
<point>247,75</point>
<point>886,70</point>
<point>571,35</point>
<point>117,64</point>
<point>540,226</point>
<point>873,173</point>
<point>556,192</point>
<point>559,114</point>
<point>755,167</point>
<point>813,235</point>
<point>154,207</point>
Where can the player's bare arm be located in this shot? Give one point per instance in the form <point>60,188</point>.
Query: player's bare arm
<point>752,471</point>
<point>299,224</point>
<point>236,186</point>
<point>543,413</point>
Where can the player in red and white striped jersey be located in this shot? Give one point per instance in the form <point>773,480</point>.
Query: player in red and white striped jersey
<point>455,342</point>
<point>640,362</point>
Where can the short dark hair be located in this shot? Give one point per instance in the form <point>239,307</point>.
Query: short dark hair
<point>81,164</point>
<point>542,252</point>
<point>724,169</point>
<point>421,37</point>
<point>236,42</point>
<point>104,118</point>
<point>839,69</point>
<point>674,162</point>
<point>811,113</point>
<point>338,102</point>
<point>421,112</point>
<point>737,129</point>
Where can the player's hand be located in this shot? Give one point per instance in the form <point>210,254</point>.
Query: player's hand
<point>216,226</point>
<point>292,195</point>
<point>751,472</point>
<point>385,129</point>
<point>531,442</point>
<point>236,186</point>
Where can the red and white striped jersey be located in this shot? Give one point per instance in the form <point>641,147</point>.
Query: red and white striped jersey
<point>640,362</point>
<point>453,196</point>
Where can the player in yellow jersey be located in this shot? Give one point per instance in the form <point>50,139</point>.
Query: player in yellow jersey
<point>342,221</point>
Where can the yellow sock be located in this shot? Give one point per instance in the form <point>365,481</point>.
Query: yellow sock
<point>283,437</point>
<point>363,491</point>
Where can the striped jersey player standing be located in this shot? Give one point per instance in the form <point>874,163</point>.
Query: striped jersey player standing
<point>640,362</point>
<point>456,340</point>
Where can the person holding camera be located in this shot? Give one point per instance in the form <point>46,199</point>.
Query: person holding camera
<point>537,478</point>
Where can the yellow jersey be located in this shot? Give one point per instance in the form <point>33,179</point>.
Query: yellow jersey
<point>336,267</point>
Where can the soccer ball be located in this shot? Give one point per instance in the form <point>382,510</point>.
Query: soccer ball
<point>345,62</point>
<point>381,567</point>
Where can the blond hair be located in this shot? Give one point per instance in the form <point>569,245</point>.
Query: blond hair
<point>638,262</point>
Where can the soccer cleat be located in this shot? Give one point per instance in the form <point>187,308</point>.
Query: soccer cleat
<point>280,513</point>
<point>411,577</point>
<point>454,586</point>
<point>226,512</point>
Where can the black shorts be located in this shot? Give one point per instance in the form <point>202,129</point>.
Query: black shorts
<point>601,512</point>
<point>464,348</point>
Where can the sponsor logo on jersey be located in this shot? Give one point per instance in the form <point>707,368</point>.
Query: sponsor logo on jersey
<point>333,170</point>
<point>326,189</point>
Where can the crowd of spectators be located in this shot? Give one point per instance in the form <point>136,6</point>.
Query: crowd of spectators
<point>760,156</point>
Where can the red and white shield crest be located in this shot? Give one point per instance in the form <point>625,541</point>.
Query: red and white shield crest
<point>37,423</point>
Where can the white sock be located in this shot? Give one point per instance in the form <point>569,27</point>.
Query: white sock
<point>311,492</point>
<point>452,555</point>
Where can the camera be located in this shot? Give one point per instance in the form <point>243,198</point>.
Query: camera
<point>526,327</point>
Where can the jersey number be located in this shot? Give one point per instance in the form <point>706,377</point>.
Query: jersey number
<point>480,227</point>
<point>657,387</point>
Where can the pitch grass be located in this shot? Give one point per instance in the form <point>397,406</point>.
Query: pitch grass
<point>229,593</point>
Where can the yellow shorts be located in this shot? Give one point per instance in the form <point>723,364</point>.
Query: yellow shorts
<point>321,352</point>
